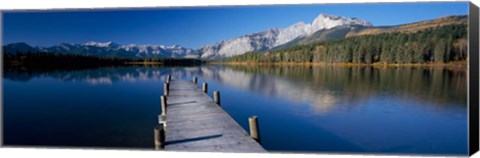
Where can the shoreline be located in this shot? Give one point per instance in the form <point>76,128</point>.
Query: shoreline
<point>458,64</point>
<point>144,63</point>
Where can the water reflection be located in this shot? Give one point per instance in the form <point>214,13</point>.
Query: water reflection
<point>105,75</point>
<point>326,86</point>
<point>323,87</point>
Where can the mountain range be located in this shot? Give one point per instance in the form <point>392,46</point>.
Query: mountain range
<point>324,27</point>
<point>107,49</point>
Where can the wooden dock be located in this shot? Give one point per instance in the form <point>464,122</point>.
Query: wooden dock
<point>194,122</point>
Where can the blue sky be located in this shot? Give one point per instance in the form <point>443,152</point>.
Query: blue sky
<point>196,26</point>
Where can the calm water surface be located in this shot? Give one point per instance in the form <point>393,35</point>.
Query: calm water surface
<point>300,109</point>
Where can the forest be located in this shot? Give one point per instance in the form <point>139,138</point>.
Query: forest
<point>443,44</point>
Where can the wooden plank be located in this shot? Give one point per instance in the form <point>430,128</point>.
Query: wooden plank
<point>196,123</point>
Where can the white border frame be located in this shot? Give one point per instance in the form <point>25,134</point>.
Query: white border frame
<point>7,5</point>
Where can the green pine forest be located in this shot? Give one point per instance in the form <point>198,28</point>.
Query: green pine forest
<point>444,44</point>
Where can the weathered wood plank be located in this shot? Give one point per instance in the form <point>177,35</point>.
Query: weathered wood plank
<point>196,123</point>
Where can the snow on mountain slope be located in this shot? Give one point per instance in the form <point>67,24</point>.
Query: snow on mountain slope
<point>253,42</point>
<point>108,49</point>
<point>108,44</point>
<point>271,38</point>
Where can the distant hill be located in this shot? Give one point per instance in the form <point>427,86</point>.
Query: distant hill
<point>19,48</point>
<point>412,27</point>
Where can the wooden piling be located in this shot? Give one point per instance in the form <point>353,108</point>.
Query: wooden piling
<point>169,77</point>
<point>216,97</point>
<point>166,88</point>
<point>163,100</point>
<point>195,79</point>
<point>159,136</point>
<point>254,132</point>
<point>205,87</point>
<point>163,119</point>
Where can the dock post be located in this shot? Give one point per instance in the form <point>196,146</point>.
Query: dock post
<point>205,87</point>
<point>159,136</point>
<point>163,99</point>
<point>216,97</point>
<point>253,123</point>
<point>195,79</point>
<point>166,88</point>
<point>169,77</point>
<point>162,118</point>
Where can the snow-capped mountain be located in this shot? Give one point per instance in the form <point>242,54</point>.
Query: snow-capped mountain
<point>271,38</point>
<point>257,41</point>
<point>108,49</point>
<point>109,44</point>
<point>174,51</point>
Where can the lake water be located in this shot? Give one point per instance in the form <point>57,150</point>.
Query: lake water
<point>300,109</point>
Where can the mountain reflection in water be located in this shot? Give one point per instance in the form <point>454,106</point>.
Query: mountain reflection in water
<point>317,86</point>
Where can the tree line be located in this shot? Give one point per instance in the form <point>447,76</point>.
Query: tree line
<point>435,45</point>
<point>39,60</point>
